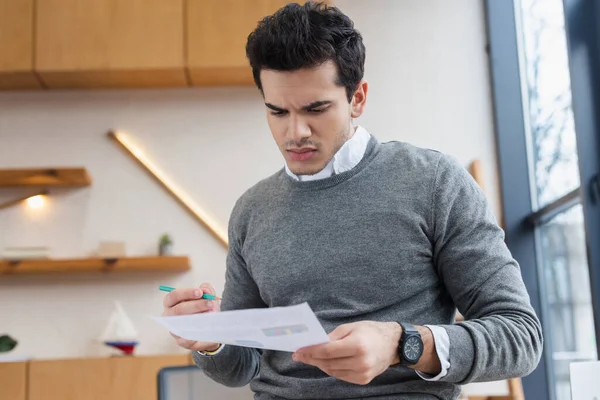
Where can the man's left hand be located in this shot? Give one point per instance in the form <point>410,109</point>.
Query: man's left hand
<point>357,353</point>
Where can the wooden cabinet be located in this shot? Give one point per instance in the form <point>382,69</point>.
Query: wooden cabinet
<point>110,43</point>
<point>16,45</point>
<point>213,58</point>
<point>13,380</point>
<point>127,43</point>
<point>217,31</point>
<point>116,378</point>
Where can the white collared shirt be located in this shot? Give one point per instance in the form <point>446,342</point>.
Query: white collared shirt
<point>347,157</point>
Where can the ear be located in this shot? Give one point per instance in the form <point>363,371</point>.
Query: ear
<point>359,100</point>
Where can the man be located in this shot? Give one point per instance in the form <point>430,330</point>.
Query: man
<point>383,240</point>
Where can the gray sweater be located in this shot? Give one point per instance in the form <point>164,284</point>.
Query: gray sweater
<point>406,235</point>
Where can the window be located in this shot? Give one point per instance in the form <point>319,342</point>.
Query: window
<point>544,58</point>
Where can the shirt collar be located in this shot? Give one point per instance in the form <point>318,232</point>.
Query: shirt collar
<point>347,157</point>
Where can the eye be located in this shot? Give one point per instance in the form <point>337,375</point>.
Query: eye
<point>318,110</point>
<point>278,113</point>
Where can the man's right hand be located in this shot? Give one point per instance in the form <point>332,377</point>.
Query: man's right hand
<point>190,301</point>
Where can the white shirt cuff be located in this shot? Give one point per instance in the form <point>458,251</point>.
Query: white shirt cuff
<point>210,354</point>
<point>442,348</point>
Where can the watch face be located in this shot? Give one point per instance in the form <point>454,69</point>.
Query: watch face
<point>412,348</point>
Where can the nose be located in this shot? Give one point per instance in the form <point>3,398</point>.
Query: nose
<point>298,130</point>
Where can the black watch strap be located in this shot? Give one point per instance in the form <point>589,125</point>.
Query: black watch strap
<point>408,330</point>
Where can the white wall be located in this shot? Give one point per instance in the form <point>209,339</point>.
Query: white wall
<point>429,86</point>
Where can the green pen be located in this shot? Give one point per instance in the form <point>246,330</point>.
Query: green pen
<point>206,296</point>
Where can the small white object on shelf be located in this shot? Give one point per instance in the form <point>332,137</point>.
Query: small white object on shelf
<point>120,332</point>
<point>26,253</point>
<point>111,249</point>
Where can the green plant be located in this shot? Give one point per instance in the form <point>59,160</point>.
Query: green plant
<point>165,240</point>
<point>7,343</point>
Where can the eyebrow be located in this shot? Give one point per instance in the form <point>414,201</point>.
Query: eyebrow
<point>314,104</point>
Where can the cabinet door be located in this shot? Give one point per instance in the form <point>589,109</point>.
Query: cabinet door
<point>110,43</point>
<point>13,378</point>
<point>116,378</point>
<point>217,31</point>
<point>16,45</point>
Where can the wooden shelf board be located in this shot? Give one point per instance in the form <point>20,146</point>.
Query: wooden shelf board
<point>57,177</point>
<point>126,264</point>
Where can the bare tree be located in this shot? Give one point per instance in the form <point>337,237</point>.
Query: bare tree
<point>549,120</point>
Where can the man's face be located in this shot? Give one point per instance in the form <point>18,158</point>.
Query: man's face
<point>308,114</point>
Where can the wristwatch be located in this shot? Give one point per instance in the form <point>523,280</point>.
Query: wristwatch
<point>410,347</point>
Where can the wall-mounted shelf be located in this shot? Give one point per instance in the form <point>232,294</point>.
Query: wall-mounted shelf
<point>125,264</point>
<point>46,177</point>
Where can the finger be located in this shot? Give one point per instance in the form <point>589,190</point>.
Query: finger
<point>181,341</point>
<point>207,288</point>
<point>336,364</point>
<point>190,307</point>
<point>338,349</point>
<point>186,344</point>
<point>341,332</point>
<point>350,376</point>
<point>183,294</point>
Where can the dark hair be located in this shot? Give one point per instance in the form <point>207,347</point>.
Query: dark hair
<point>305,36</point>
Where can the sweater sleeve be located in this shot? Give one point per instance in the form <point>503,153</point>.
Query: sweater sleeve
<point>501,336</point>
<point>234,366</point>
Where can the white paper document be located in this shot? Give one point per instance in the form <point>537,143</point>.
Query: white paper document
<point>277,328</point>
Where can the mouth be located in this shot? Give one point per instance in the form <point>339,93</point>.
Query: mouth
<point>301,154</point>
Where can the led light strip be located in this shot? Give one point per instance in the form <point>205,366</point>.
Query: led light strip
<point>138,155</point>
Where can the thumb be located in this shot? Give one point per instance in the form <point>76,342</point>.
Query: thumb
<point>340,332</point>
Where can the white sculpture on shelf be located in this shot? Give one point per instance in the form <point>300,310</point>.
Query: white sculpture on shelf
<point>120,332</point>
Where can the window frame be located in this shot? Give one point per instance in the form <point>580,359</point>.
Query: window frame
<point>583,43</point>
<point>520,219</point>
